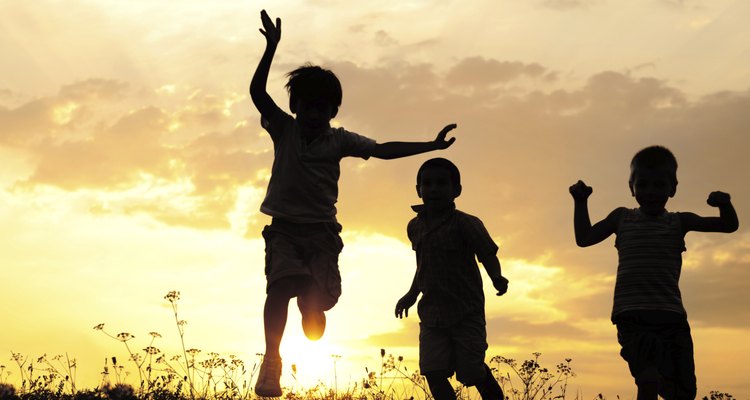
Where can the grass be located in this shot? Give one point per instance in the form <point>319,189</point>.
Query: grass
<point>193,375</point>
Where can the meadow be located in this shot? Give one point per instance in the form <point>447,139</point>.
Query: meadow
<point>148,373</point>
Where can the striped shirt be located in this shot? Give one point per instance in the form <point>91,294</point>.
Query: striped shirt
<point>650,260</point>
<point>447,272</point>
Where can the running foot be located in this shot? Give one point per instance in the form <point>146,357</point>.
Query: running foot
<point>268,378</point>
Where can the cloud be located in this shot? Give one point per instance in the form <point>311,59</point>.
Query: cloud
<point>563,5</point>
<point>518,151</point>
<point>478,71</point>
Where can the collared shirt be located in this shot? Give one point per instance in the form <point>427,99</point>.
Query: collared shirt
<point>304,177</point>
<point>447,272</point>
<point>650,250</point>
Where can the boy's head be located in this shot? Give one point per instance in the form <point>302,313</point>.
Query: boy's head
<point>314,95</point>
<point>438,182</point>
<point>653,178</point>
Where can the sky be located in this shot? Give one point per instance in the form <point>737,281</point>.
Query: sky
<point>134,164</point>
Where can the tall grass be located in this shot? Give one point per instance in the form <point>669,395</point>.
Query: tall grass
<point>194,374</point>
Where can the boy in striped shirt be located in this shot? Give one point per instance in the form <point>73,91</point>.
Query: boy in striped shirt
<point>652,326</point>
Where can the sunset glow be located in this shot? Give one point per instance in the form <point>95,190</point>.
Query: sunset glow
<point>134,163</point>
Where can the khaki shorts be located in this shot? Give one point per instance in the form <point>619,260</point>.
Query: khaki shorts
<point>458,348</point>
<point>661,340</point>
<point>309,251</point>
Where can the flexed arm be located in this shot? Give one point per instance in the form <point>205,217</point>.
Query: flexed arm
<point>586,234</point>
<point>727,220</point>
<point>262,100</point>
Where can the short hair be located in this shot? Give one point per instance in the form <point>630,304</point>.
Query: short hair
<point>313,82</point>
<point>655,157</point>
<point>443,163</point>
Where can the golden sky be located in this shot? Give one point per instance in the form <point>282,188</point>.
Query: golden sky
<point>134,164</point>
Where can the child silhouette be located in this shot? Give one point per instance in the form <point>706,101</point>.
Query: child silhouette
<point>452,334</point>
<point>302,241</point>
<point>652,326</point>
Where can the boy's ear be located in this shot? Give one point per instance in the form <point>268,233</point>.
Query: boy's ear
<point>292,106</point>
<point>674,190</point>
<point>334,111</point>
<point>457,191</point>
<point>419,194</point>
<point>630,185</point>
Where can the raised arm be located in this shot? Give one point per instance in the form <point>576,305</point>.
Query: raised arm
<point>262,100</point>
<point>726,221</point>
<point>586,234</point>
<point>391,150</point>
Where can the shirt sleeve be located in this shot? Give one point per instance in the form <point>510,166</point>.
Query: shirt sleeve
<point>356,145</point>
<point>274,123</point>
<point>477,237</point>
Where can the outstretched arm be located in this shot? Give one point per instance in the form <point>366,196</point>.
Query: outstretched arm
<point>586,234</point>
<point>391,150</point>
<point>262,100</point>
<point>494,271</point>
<point>726,221</point>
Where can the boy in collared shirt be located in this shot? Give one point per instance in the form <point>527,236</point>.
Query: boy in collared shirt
<point>302,241</point>
<point>452,334</point>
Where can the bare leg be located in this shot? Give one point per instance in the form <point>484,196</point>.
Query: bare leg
<point>488,388</point>
<point>648,384</point>
<point>275,312</point>
<point>440,387</point>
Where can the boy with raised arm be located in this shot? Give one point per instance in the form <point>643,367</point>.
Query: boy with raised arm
<point>302,241</point>
<point>652,326</point>
<point>452,333</point>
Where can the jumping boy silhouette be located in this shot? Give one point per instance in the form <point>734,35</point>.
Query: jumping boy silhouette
<point>302,241</point>
<point>652,326</point>
<point>452,334</point>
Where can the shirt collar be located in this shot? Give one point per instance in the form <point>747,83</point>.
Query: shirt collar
<point>420,208</point>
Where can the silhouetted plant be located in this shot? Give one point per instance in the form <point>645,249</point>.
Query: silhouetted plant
<point>534,381</point>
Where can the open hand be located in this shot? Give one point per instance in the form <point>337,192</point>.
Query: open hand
<point>270,31</point>
<point>402,307</point>
<point>440,139</point>
<point>718,199</point>
<point>580,191</point>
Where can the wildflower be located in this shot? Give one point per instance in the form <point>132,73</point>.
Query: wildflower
<point>172,296</point>
<point>154,334</point>
<point>124,336</point>
<point>193,352</point>
<point>151,350</point>
<point>382,353</point>
<point>99,327</point>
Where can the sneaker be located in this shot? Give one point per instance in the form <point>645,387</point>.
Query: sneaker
<point>313,321</point>
<point>268,378</point>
